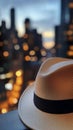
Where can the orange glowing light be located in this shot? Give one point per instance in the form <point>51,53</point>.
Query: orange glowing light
<point>70,53</point>
<point>34,58</point>
<point>70,32</point>
<point>17,88</point>
<point>15,94</point>
<point>71,5</point>
<point>12,100</point>
<point>6,53</point>
<point>19,80</point>
<point>25,47</point>
<point>9,75</point>
<point>43,52</point>
<point>71,47</point>
<point>32,52</point>
<point>27,58</point>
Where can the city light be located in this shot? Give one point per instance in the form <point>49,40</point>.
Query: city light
<point>49,45</point>
<point>9,75</point>
<point>8,86</point>
<point>16,47</point>
<point>71,5</point>
<point>43,52</point>
<point>25,47</point>
<point>4,110</point>
<point>2,76</point>
<point>32,52</point>
<point>6,53</point>
<point>34,58</point>
<point>70,53</point>
<point>19,80</point>
<point>71,47</point>
<point>27,58</point>
<point>19,73</point>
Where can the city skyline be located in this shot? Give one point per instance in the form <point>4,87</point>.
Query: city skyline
<point>44,14</point>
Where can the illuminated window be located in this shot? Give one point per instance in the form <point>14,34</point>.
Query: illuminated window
<point>5,53</point>
<point>32,52</point>
<point>25,47</point>
<point>16,47</point>
<point>27,58</point>
<point>34,58</point>
<point>43,52</point>
<point>70,53</point>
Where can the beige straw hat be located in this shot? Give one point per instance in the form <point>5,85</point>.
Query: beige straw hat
<point>48,103</point>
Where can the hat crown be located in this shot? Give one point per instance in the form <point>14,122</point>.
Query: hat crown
<point>54,80</point>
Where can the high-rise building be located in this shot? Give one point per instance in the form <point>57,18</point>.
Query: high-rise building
<point>12,14</point>
<point>63,33</point>
<point>27,25</point>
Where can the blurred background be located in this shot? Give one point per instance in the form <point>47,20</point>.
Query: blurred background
<point>30,32</point>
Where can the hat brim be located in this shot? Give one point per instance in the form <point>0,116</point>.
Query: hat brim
<point>38,120</point>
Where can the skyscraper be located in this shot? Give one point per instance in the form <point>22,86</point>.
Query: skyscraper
<point>64,31</point>
<point>12,14</point>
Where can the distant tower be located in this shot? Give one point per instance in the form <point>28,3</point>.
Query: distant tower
<point>65,14</point>
<point>3,26</point>
<point>27,25</point>
<point>64,11</point>
<point>12,18</point>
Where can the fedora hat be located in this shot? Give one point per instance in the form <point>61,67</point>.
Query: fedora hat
<point>47,104</point>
